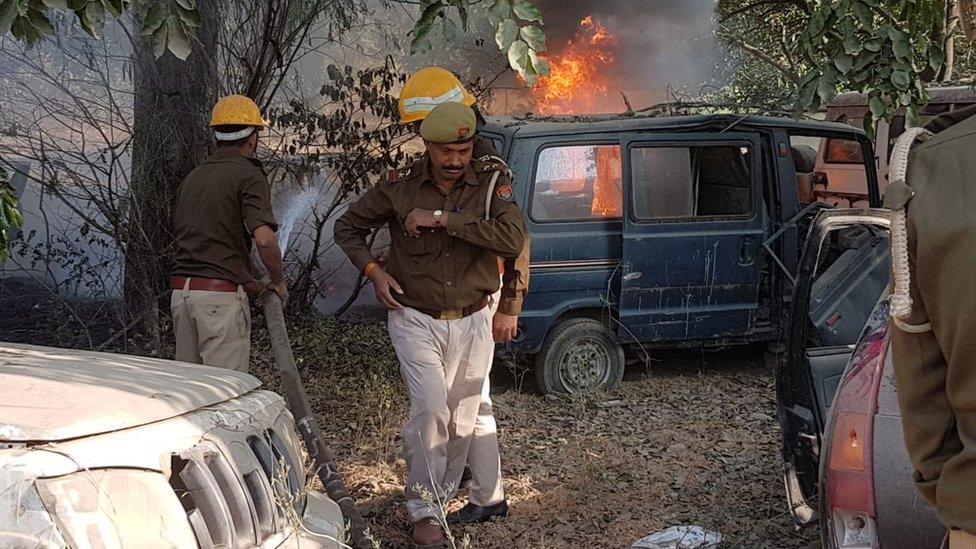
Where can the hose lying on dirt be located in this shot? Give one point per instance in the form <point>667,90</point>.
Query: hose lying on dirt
<point>297,399</point>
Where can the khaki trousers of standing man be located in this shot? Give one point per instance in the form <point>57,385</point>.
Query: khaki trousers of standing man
<point>444,364</point>
<point>212,328</point>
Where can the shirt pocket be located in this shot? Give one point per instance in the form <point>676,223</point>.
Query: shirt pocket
<point>419,246</point>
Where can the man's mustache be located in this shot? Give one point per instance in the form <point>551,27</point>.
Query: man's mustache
<point>452,167</point>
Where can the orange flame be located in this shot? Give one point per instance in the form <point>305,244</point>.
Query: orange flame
<point>576,78</point>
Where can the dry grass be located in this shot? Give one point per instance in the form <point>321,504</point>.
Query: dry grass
<point>693,442</point>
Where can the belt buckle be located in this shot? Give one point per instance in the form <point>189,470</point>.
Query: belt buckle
<point>453,314</point>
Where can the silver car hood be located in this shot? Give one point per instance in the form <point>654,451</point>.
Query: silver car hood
<point>49,394</point>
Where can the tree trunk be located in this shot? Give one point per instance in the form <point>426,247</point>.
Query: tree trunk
<point>172,103</point>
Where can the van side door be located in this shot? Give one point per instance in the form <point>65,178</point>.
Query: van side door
<point>692,236</point>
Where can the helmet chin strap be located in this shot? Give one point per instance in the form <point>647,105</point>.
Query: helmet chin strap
<point>234,136</point>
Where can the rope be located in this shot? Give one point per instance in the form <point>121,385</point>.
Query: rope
<point>901,299</point>
<point>493,181</point>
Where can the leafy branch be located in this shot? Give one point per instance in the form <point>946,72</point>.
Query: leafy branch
<point>171,24</point>
<point>887,50</point>
<point>517,24</point>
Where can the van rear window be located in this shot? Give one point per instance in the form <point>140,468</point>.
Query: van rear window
<point>843,151</point>
<point>577,183</point>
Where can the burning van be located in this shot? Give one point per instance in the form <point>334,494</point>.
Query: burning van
<point>100,450</point>
<point>663,231</point>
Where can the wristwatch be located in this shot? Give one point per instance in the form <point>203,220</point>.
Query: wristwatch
<point>437,217</point>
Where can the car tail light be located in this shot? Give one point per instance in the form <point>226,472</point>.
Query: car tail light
<point>848,464</point>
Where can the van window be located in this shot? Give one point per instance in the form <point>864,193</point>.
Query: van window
<point>691,182</point>
<point>577,183</point>
<point>837,177</point>
<point>844,151</point>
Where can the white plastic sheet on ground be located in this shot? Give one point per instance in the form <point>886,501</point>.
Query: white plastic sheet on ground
<point>680,537</point>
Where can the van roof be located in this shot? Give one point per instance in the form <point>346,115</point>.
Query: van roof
<point>583,124</point>
<point>59,394</point>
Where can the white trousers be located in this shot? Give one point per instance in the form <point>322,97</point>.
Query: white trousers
<point>445,365</point>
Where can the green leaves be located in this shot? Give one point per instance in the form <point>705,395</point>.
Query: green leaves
<point>499,11</point>
<point>10,216</point>
<point>28,21</point>
<point>420,35</point>
<point>159,38</point>
<point>527,11</point>
<point>900,79</point>
<point>865,46</point>
<point>8,14</point>
<point>518,54</point>
<point>154,19</point>
<point>844,62</point>
<point>534,37</point>
<point>521,40</point>
<point>178,42</point>
<point>516,35</point>
<point>506,34</point>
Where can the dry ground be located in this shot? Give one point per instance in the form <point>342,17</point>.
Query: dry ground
<point>692,440</point>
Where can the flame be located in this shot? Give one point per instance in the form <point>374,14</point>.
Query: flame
<point>577,77</point>
<point>607,192</point>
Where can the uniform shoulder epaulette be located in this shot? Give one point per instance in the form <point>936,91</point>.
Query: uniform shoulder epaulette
<point>491,163</point>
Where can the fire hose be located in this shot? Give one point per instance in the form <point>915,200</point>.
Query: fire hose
<point>297,399</point>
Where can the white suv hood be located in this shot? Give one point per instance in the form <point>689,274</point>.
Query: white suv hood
<point>49,394</point>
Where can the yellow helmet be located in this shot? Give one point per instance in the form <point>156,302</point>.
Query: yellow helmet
<point>237,110</point>
<point>427,88</point>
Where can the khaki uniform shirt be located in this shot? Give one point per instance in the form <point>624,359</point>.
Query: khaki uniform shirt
<point>221,203</point>
<point>445,268</point>
<point>935,370</point>
<point>515,277</point>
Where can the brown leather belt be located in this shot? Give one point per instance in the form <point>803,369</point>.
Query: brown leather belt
<point>203,284</point>
<point>455,314</point>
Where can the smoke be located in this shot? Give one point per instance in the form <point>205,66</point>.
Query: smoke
<point>661,47</point>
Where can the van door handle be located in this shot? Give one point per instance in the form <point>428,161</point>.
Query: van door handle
<point>746,255</point>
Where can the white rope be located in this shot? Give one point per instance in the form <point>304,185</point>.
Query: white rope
<point>493,181</point>
<point>901,299</point>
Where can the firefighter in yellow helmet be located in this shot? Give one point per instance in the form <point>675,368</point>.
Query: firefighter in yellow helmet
<point>224,205</point>
<point>427,88</point>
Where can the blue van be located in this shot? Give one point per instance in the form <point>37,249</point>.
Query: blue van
<point>664,231</point>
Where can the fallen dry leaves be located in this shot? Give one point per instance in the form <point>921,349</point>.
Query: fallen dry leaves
<point>692,441</point>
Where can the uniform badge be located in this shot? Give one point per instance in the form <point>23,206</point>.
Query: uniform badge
<point>505,193</point>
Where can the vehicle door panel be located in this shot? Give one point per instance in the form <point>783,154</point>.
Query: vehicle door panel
<point>573,260</point>
<point>841,274</point>
<point>689,272</point>
<point>826,369</point>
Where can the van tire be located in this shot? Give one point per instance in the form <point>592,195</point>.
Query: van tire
<point>579,355</point>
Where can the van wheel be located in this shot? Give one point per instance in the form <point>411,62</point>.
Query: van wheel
<point>579,355</point>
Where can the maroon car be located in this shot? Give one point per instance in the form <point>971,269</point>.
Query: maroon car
<point>846,466</point>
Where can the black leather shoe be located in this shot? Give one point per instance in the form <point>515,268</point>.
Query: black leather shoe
<point>465,479</point>
<point>474,514</point>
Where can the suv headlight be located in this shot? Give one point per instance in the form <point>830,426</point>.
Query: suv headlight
<point>115,509</point>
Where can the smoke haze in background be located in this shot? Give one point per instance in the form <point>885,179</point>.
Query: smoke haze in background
<point>659,45</point>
